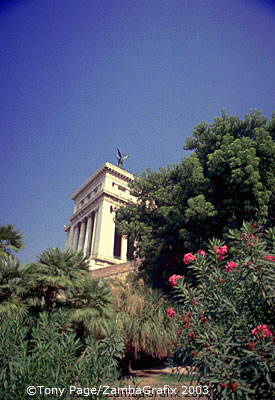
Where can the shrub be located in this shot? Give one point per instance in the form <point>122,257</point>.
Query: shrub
<point>47,352</point>
<point>227,319</point>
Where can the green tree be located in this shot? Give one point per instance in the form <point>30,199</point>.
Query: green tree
<point>228,178</point>
<point>51,281</point>
<point>10,239</point>
<point>93,307</point>
<point>60,279</point>
<point>10,288</point>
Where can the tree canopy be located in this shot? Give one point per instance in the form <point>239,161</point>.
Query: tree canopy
<point>228,178</point>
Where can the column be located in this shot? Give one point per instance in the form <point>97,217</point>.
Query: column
<point>69,238</point>
<point>104,241</point>
<point>124,247</point>
<point>81,236</point>
<point>94,233</point>
<point>75,236</point>
<point>88,236</point>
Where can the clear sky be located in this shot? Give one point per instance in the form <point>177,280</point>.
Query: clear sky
<point>80,77</point>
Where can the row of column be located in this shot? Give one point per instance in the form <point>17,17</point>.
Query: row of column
<point>81,236</point>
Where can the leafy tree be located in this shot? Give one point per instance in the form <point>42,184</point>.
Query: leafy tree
<point>228,178</point>
<point>60,279</point>
<point>10,239</point>
<point>227,321</point>
<point>52,279</point>
<point>10,289</point>
<point>93,307</point>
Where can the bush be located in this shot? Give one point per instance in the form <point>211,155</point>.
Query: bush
<point>227,319</point>
<point>47,352</point>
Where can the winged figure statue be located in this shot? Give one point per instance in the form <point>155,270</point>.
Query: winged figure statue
<point>120,158</point>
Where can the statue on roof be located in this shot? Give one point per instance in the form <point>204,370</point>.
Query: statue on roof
<point>120,158</point>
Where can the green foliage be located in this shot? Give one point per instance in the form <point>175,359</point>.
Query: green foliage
<point>10,239</point>
<point>56,325</point>
<point>228,178</point>
<point>10,289</point>
<point>93,307</point>
<point>48,353</point>
<point>233,296</point>
<point>51,281</point>
<point>142,321</point>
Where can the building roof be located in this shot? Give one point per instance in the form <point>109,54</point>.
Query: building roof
<point>106,167</point>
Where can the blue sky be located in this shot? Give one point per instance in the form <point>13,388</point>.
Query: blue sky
<point>79,77</point>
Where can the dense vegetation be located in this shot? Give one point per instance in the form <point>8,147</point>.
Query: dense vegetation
<point>60,327</point>
<point>226,322</point>
<point>228,178</point>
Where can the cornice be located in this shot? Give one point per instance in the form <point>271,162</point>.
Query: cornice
<point>106,167</point>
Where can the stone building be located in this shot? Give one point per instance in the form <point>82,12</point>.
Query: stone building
<point>92,225</point>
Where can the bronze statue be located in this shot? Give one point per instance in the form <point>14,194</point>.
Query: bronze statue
<point>120,159</point>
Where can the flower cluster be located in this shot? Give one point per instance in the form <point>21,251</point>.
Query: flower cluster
<point>188,257</point>
<point>201,252</point>
<point>230,266</point>
<point>261,331</point>
<point>270,258</point>
<point>171,312</point>
<point>221,251</point>
<point>173,280</point>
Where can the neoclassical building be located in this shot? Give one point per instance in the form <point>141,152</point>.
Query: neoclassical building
<point>92,225</point>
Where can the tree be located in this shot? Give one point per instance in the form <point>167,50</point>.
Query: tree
<point>52,279</point>
<point>10,289</point>
<point>10,239</point>
<point>93,307</point>
<point>228,178</point>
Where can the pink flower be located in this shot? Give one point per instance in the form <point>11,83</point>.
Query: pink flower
<point>230,266</point>
<point>261,331</point>
<point>270,258</point>
<point>251,345</point>
<point>171,312</point>
<point>173,280</point>
<point>222,250</point>
<point>201,252</point>
<point>189,257</point>
<point>195,302</point>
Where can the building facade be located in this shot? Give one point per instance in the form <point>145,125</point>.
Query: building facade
<point>92,225</point>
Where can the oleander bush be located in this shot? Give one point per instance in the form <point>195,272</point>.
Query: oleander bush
<point>47,352</point>
<point>226,321</point>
